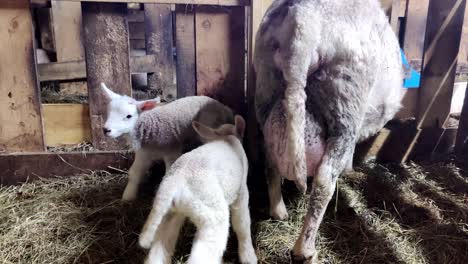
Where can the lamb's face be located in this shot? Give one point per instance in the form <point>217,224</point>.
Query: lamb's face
<point>122,115</point>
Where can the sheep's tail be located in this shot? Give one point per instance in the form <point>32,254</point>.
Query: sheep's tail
<point>161,206</point>
<point>294,104</point>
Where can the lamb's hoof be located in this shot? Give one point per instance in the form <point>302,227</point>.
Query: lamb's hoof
<point>145,241</point>
<point>248,257</point>
<point>301,259</point>
<point>279,213</point>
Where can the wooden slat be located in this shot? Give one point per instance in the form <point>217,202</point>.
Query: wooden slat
<point>20,113</point>
<point>220,54</point>
<point>45,26</point>
<point>136,30</point>
<point>58,71</point>
<point>395,15</point>
<point>184,2</point>
<point>158,35</point>
<point>66,124</point>
<point>107,60</point>
<point>185,46</point>
<point>67,31</point>
<point>462,134</point>
<point>443,33</point>
<point>415,31</point>
<point>18,168</point>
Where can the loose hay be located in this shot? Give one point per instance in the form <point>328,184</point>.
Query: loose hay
<point>393,214</point>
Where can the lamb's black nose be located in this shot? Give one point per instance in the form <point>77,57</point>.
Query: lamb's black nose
<point>106,131</point>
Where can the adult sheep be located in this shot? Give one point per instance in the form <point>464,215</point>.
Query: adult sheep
<point>329,75</point>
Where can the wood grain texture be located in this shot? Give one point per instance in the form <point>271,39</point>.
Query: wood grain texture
<point>185,46</point>
<point>58,71</point>
<point>20,111</point>
<point>220,54</point>
<point>107,60</point>
<point>159,42</point>
<point>443,34</point>
<point>19,168</point>
<point>66,124</point>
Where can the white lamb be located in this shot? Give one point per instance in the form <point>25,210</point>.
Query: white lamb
<point>203,185</point>
<point>159,131</point>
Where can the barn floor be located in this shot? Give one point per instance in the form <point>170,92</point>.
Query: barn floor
<point>393,214</point>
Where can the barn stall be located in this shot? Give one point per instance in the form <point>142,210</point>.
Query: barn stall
<point>406,202</point>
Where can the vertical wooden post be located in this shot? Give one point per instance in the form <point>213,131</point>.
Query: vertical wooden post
<point>20,110</point>
<point>158,32</point>
<point>107,60</point>
<point>220,53</point>
<point>185,46</point>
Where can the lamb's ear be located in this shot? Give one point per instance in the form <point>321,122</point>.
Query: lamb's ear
<point>203,131</point>
<point>147,105</point>
<point>240,125</point>
<point>108,93</point>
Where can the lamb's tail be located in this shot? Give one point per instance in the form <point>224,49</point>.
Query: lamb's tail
<point>161,206</point>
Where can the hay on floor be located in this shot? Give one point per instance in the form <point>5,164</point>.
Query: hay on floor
<point>393,214</point>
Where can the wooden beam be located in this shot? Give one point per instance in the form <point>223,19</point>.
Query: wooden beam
<point>395,15</point>
<point>220,54</point>
<point>19,168</point>
<point>20,109</point>
<point>61,71</point>
<point>107,60</point>
<point>180,2</point>
<point>66,124</point>
<point>415,31</point>
<point>443,33</point>
<point>159,42</point>
<point>185,46</point>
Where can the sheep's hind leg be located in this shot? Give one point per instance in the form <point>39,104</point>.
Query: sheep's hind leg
<point>212,235</point>
<point>278,209</point>
<point>165,240</point>
<point>241,225</point>
<point>139,168</point>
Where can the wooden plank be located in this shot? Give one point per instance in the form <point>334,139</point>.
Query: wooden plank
<point>45,26</point>
<point>395,15</point>
<point>66,124</point>
<point>158,35</point>
<point>181,2</point>
<point>415,31</point>
<point>463,54</point>
<point>185,46</point>
<point>443,33</point>
<point>67,30</point>
<point>20,110</point>
<point>107,60</point>
<point>220,54</point>
<point>462,134</point>
<point>60,71</point>
<point>136,30</point>
<point>18,168</point>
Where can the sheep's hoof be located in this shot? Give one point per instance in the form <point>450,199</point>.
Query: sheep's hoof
<point>145,241</point>
<point>128,196</point>
<point>301,259</point>
<point>279,213</point>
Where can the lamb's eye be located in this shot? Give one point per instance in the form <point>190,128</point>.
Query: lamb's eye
<point>129,116</point>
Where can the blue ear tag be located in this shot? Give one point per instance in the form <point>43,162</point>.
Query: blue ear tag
<point>412,77</point>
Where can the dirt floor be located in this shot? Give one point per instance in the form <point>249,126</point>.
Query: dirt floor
<point>381,214</point>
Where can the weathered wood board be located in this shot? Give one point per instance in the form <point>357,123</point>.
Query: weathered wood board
<point>18,168</point>
<point>185,46</point>
<point>20,110</point>
<point>159,42</point>
<point>220,55</point>
<point>107,60</point>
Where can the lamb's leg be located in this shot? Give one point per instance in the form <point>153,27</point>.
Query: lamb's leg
<point>165,240</point>
<point>212,235</point>
<point>277,207</point>
<point>139,168</point>
<point>349,165</point>
<point>342,109</point>
<point>241,225</point>
<point>171,157</point>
